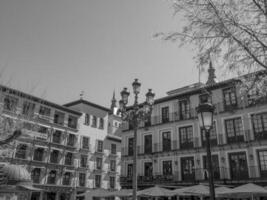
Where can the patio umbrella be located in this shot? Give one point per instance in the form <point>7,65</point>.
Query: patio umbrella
<point>244,191</point>
<point>100,192</point>
<point>190,190</point>
<point>122,193</point>
<point>203,190</point>
<point>155,192</point>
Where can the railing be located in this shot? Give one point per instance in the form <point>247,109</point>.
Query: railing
<point>220,107</point>
<point>201,174</point>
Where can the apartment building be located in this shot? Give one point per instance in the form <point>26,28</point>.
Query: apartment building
<point>49,147</point>
<point>172,147</point>
<point>101,146</point>
<point>67,149</point>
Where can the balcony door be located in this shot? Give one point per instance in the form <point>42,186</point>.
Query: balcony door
<point>238,166</point>
<point>215,166</point>
<point>187,167</point>
<point>148,144</point>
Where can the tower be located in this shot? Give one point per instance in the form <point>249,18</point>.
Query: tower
<point>113,104</point>
<point>211,77</point>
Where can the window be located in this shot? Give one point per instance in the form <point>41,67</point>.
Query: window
<point>83,162</point>
<point>165,114</point>
<point>130,147</point>
<point>72,122</point>
<point>205,98</point>
<point>98,163</point>
<point>148,169</point>
<point>234,130</point>
<point>184,109</point>
<point>213,135</point>
<point>167,167</point>
<point>87,119</point>
<point>112,182</point>
<point>42,129</point>
<point>113,149</point>
<point>238,166</point>
<point>186,137</point>
<point>187,167</point>
<point>66,178</point>
<point>229,98</point>
<point>94,122</point>
<point>148,144</point>
<point>52,177</point>
<point>259,123</point>
<point>44,111</point>
<point>113,165</point>
<point>21,151</point>
<point>68,158</point>
<point>99,146</point>
<point>28,108</point>
<point>85,143</point>
<point>82,179</point>
<point>10,103</point>
<point>54,156</point>
<point>262,154</point>
<point>57,137</point>
<point>35,175</point>
<point>129,170</point>
<point>166,141</point>
<point>215,167</point>
<point>38,154</point>
<point>97,181</point>
<point>71,140</point>
<point>101,123</point>
<point>59,118</point>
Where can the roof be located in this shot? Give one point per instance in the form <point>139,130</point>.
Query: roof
<point>37,99</point>
<point>196,90</point>
<point>82,101</point>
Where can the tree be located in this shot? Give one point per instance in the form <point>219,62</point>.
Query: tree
<point>232,32</point>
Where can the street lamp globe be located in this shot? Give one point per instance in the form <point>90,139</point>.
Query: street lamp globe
<point>205,115</point>
<point>150,97</point>
<point>124,95</point>
<point>136,86</point>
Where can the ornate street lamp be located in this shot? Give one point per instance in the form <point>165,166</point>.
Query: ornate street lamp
<point>205,116</point>
<point>134,116</point>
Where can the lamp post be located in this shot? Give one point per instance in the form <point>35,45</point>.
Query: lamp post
<point>135,116</point>
<point>205,117</point>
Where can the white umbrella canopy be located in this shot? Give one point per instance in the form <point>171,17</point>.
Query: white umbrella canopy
<point>122,193</point>
<point>183,191</point>
<point>199,190</point>
<point>244,191</point>
<point>155,192</point>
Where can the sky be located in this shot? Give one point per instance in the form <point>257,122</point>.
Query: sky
<point>54,49</point>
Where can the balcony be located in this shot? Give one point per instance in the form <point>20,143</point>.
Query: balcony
<point>221,175</point>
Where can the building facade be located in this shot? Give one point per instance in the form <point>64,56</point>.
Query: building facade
<point>171,146</point>
<point>99,128</point>
<point>66,149</point>
<point>49,146</point>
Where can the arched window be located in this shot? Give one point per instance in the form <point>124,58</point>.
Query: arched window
<point>21,151</point>
<point>52,176</point>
